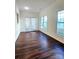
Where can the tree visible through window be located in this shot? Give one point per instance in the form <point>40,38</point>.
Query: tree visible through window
<point>60,23</point>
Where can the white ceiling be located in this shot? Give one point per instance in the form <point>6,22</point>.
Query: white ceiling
<point>34,5</point>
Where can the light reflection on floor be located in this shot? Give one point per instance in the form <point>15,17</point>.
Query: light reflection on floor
<point>43,42</point>
<point>57,50</point>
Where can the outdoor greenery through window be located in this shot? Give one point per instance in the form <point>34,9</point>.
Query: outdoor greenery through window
<point>60,23</point>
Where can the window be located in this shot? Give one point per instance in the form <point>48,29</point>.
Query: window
<point>43,23</point>
<point>60,23</point>
<point>30,24</point>
<point>33,23</point>
<point>27,22</point>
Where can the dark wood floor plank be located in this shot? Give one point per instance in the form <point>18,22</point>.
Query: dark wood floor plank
<point>37,45</point>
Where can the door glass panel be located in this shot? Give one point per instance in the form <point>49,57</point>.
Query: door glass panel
<point>33,23</point>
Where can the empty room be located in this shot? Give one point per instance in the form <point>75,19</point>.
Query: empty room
<point>39,29</point>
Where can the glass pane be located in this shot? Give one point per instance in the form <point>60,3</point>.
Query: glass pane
<point>45,21</point>
<point>60,28</point>
<point>41,19</point>
<point>41,24</point>
<point>45,25</point>
<point>61,16</point>
<point>60,23</point>
<point>45,18</point>
<point>33,23</point>
<point>27,22</point>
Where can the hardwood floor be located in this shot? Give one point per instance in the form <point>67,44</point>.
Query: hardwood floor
<point>37,45</point>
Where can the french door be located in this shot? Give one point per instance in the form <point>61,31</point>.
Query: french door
<point>30,24</point>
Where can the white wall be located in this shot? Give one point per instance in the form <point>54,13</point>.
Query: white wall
<point>24,15</point>
<point>51,13</point>
<point>17,25</point>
